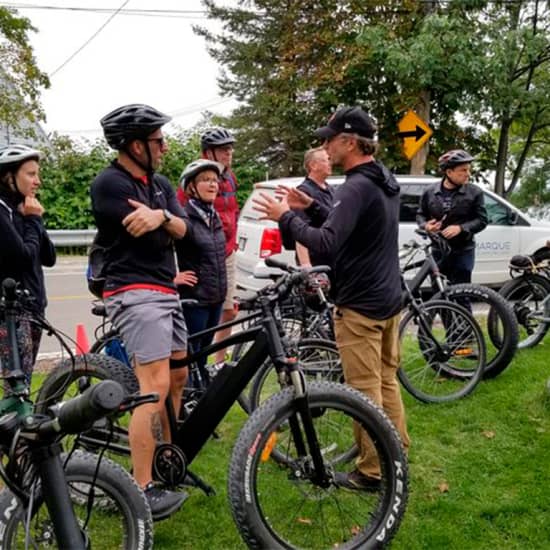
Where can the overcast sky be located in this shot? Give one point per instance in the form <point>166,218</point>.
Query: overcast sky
<point>134,59</point>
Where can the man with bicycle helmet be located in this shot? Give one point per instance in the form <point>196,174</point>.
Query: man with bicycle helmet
<point>454,209</point>
<point>138,217</point>
<point>26,246</point>
<point>217,145</point>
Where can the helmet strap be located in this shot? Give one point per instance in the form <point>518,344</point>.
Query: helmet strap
<point>147,168</point>
<point>449,180</point>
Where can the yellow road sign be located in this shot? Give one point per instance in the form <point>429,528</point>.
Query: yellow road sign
<point>415,133</point>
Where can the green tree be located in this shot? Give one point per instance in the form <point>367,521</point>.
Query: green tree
<point>477,70</point>
<point>20,78</point>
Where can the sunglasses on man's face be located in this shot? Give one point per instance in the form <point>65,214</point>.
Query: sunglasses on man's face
<point>160,141</point>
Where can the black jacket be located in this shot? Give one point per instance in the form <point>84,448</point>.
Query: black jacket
<point>467,210</point>
<point>202,250</point>
<point>325,198</point>
<point>25,248</point>
<point>148,259</point>
<point>359,240</point>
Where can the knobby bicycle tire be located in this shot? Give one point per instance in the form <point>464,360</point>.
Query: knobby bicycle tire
<point>305,514</point>
<point>453,368</point>
<point>66,379</point>
<point>500,328</point>
<point>526,294</point>
<point>120,516</point>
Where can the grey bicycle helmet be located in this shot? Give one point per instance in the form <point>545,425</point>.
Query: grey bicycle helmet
<point>17,153</point>
<point>216,137</point>
<point>196,167</point>
<point>453,158</point>
<point>129,122</point>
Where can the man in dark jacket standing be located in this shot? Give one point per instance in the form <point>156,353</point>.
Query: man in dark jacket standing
<point>359,240</point>
<point>455,210</point>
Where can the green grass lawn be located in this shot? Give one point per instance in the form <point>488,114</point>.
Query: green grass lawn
<point>479,471</point>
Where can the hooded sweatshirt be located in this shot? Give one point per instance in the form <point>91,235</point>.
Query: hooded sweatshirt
<point>359,241</point>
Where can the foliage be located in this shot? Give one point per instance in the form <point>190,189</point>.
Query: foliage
<point>70,168</point>
<point>291,63</point>
<point>535,187</point>
<point>20,77</point>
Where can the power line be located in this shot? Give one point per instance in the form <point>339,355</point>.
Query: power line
<point>185,14</point>
<point>89,39</point>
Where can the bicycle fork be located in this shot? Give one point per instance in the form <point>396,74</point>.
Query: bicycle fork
<point>320,476</point>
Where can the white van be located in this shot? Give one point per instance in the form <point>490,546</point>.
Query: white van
<point>509,232</point>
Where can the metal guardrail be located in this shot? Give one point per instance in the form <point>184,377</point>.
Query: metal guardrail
<point>72,237</point>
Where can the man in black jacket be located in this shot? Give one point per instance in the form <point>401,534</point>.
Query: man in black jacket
<point>318,168</point>
<point>138,217</point>
<point>455,210</point>
<point>359,240</point>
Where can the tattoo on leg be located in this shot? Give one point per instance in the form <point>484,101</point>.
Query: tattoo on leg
<point>156,426</point>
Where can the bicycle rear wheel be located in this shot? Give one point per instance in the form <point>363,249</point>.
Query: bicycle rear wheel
<point>526,295</point>
<point>496,320</point>
<point>306,513</point>
<point>442,352</point>
<point>119,518</point>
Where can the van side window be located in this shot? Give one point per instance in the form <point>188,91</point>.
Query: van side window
<point>497,212</point>
<point>410,200</point>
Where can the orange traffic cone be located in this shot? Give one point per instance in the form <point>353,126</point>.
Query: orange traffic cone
<point>82,344</point>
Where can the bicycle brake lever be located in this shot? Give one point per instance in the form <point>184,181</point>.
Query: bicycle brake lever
<point>135,400</point>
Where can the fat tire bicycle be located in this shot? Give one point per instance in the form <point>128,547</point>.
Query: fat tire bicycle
<point>292,446</point>
<point>54,499</point>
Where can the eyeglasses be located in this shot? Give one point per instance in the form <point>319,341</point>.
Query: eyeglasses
<point>207,180</point>
<point>160,141</point>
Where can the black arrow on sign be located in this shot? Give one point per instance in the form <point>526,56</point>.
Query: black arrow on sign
<point>416,134</point>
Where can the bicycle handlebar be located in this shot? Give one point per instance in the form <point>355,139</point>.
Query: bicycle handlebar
<point>79,413</point>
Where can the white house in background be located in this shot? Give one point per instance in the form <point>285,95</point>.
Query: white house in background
<point>10,135</point>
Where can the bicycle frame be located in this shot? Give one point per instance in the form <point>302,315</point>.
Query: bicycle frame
<point>192,433</point>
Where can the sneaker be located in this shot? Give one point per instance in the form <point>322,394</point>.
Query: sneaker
<point>356,481</point>
<point>163,503</point>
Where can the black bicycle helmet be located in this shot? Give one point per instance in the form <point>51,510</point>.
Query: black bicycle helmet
<point>135,121</point>
<point>216,137</point>
<point>453,158</point>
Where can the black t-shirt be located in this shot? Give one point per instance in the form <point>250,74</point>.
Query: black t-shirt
<point>148,259</point>
<point>324,198</point>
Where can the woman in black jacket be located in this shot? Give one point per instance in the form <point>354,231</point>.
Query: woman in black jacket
<point>201,252</point>
<point>25,245</point>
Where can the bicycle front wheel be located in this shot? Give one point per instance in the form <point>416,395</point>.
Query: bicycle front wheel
<point>309,513</point>
<point>442,352</point>
<point>319,360</point>
<point>119,516</point>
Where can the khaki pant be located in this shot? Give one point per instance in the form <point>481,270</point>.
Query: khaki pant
<point>369,349</point>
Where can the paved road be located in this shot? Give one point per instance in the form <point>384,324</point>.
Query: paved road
<point>69,300</point>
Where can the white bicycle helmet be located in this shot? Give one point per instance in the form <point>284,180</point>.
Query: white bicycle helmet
<point>11,154</point>
<point>196,167</point>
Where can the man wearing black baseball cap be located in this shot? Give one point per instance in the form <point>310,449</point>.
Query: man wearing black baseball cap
<point>359,240</point>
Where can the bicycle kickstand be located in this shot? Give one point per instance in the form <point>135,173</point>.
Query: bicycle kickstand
<point>197,481</point>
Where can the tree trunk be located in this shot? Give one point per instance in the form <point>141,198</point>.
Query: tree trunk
<point>502,155</point>
<point>422,109</point>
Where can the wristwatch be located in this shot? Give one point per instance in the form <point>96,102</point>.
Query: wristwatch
<point>168,216</point>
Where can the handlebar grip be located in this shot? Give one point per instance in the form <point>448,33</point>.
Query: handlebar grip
<point>80,413</point>
<point>9,289</point>
<point>271,262</point>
